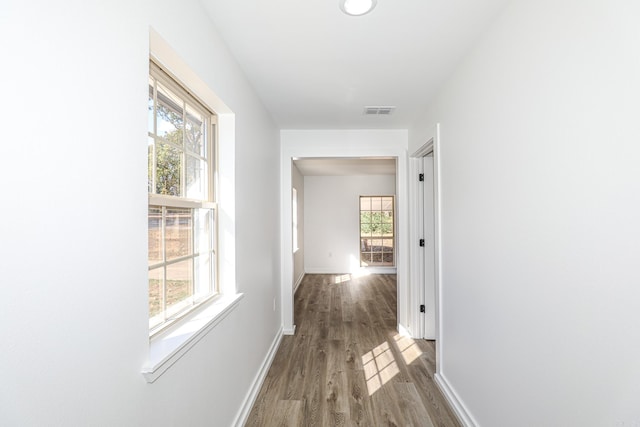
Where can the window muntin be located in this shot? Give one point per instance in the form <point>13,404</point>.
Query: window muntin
<point>182,211</point>
<point>377,231</point>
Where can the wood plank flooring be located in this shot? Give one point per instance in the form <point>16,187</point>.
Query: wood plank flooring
<point>347,365</point>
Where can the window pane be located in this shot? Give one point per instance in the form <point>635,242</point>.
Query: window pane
<point>155,292</point>
<point>387,258</point>
<point>169,115</point>
<point>387,203</point>
<point>376,245</point>
<point>376,230</point>
<point>376,203</point>
<point>150,164</point>
<point>179,285</point>
<point>387,245</point>
<point>365,203</point>
<point>365,259</point>
<point>194,132</point>
<point>196,178</point>
<point>203,275</point>
<point>203,230</point>
<point>178,233</point>
<point>155,234</point>
<point>365,217</point>
<point>387,217</point>
<point>168,168</point>
<point>151,113</point>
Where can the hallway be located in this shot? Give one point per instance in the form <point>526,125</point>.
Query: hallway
<point>347,365</point>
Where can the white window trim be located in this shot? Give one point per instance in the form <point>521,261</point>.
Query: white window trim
<point>172,343</point>
<point>168,346</point>
<point>182,202</point>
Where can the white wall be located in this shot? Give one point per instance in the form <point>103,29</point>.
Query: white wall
<point>73,316</point>
<point>540,208</point>
<point>297,182</point>
<point>333,221</point>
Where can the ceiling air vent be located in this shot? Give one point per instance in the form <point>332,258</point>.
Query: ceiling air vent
<point>379,111</point>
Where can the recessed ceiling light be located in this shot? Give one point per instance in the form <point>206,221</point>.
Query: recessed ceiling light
<point>357,7</point>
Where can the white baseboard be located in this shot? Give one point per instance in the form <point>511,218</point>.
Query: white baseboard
<point>365,270</point>
<point>297,284</point>
<point>463,414</point>
<point>380,270</point>
<point>251,396</point>
<point>322,270</point>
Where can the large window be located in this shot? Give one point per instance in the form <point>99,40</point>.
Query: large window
<point>376,231</point>
<point>182,209</point>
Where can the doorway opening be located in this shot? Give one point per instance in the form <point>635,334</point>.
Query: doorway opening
<point>343,146</point>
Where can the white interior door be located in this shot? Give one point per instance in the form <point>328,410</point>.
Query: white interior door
<point>428,253</point>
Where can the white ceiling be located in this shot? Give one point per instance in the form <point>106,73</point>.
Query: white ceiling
<point>317,68</point>
<point>345,166</point>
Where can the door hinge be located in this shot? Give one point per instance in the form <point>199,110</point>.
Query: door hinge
<point>421,242</point>
<point>421,177</point>
<point>423,309</point>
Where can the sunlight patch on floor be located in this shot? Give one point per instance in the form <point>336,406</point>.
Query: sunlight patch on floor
<point>360,272</point>
<point>408,347</point>
<point>341,278</point>
<point>379,367</point>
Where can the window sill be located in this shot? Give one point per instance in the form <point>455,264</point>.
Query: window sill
<point>166,348</point>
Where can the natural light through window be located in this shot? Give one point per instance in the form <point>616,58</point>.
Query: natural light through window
<point>182,210</point>
<point>341,278</point>
<point>408,348</point>
<point>379,367</point>
<point>376,231</point>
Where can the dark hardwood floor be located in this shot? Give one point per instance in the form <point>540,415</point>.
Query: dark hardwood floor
<point>347,365</point>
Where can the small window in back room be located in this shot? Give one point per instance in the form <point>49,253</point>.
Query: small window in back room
<point>377,241</point>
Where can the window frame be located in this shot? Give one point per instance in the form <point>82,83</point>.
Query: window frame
<point>163,201</point>
<point>382,238</point>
